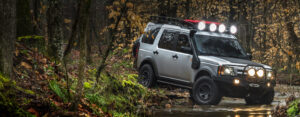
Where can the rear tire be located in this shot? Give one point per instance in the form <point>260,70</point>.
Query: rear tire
<point>206,92</point>
<point>146,76</point>
<point>267,98</point>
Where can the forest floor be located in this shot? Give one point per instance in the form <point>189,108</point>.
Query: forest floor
<point>45,93</point>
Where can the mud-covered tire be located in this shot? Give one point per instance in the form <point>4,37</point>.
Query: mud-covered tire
<point>206,92</point>
<point>146,76</point>
<point>267,98</point>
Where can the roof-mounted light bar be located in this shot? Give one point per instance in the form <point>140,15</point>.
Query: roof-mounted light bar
<point>213,26</point>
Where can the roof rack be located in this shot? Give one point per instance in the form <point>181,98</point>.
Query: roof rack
<point>172,21</point>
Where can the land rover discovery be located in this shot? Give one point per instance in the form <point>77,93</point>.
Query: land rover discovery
<point>204,57</point>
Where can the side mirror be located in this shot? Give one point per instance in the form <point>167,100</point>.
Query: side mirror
<point>249,55</point>
<point>186,49</point>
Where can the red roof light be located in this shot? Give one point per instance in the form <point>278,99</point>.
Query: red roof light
<point>197,21</point>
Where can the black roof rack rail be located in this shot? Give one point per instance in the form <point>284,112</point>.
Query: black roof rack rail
<point>172,21</point>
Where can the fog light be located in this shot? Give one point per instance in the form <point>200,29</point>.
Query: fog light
<point>236,81</point>
<point>268,84</point>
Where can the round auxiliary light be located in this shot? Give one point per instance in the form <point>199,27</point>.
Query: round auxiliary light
<point>260,73</point>
<point>201,25</point>
<point>269,74</point>
<point>222,28</point>
<point>212,27</point>
<point>233,29</point>
<point>251,72</point>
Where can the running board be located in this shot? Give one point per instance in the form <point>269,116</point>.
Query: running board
<point>175,84</point>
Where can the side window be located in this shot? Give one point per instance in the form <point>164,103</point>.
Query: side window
<point>149,37</point>
<point>168,40</point>
<point>182,41</point>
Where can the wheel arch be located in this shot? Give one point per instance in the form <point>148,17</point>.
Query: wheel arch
<point>203,72</point>
<point>150,62</point>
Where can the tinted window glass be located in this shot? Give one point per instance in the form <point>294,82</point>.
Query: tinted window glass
<point>168,40</point>
<point>149,37</point>
<point>219,46</point>
<point>182,41</point>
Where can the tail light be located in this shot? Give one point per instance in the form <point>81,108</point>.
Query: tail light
<point>137,50</point>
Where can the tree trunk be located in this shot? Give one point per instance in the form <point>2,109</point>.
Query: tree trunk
<point>84,7</point>
<point>24,24</point>
<point>55,31</point>
<point>7,35</point>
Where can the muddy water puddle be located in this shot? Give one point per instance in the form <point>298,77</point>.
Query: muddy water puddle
<point>222,110</point>
<point>230,107</point>
<point>227,108</point>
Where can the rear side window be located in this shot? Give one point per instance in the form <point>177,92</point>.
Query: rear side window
<point>168,40</point>
<point>149,37</point>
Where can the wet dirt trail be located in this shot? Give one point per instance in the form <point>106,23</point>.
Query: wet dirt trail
<point>229,107</point>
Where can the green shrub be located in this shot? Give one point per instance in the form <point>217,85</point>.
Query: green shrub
<point>120,95</point>
<point>293,109</point>
<point>55,87</point>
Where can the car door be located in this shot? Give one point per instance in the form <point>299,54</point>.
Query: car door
<point>165,55</point>
<point>183,68</point>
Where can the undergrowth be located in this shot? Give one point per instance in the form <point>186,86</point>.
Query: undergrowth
<point>8,104</point>
<point>118,95</point>
<point>293,109</point>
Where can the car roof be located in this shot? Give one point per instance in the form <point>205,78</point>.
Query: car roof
<point>215,34</point>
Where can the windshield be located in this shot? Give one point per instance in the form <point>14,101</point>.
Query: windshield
<point>219,46</point>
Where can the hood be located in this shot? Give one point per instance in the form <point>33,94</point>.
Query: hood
<point>230,61</point>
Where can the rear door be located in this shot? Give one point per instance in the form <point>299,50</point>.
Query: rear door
<point>165,55</point>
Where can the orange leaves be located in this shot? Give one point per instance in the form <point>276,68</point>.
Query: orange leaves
<point>298,65</point>
<point>67,21</point>
<point>33,111</point>
<point>129,5</point>
<point>26,65</point>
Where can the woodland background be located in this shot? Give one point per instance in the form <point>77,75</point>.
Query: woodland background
<point>76,54</point>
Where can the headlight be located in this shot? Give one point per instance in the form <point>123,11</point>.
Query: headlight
<point>251,72</point>
<point>270,75</point>
<point>260,73</point>
<point>225,70</point>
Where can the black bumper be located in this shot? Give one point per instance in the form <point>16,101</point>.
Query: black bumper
<point>245,86</point>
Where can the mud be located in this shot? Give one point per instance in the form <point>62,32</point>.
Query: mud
<point>181,106</point>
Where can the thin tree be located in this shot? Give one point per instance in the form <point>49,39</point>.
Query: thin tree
<point>7,35</point>
<point>55,31</point>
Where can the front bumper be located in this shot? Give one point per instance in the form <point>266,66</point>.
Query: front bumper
<point>245,86</point>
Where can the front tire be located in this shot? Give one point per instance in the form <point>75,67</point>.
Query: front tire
<point>267,98</point>
<point>206,92</point>
<point>146,76</point>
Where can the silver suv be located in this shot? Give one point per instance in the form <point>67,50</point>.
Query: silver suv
<point>204,57</point>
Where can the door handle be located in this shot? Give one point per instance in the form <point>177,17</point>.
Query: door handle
<point>155,52</point>
<point>175,56</point>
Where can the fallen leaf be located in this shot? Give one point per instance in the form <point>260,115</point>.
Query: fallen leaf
<point>168,106</point>
<point>33,111</point>
<point>67,21</point>
<point>44,60</point>
<point>26,65</point>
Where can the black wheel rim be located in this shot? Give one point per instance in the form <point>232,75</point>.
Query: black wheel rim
<point>204,92</point>
<point>145,78</point>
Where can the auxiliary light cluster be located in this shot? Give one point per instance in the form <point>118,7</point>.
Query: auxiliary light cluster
<point>214,27</point>
<point>260,72</point>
